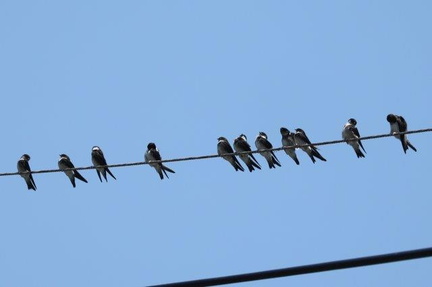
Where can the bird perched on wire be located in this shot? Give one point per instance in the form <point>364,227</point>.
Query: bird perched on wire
<point>301,139</point>
<point>65,164</point>
<point>397,125</point>
<point>262,144</point>
<point>223,148</point>
<point>288,140</point>
<point>99,161</point>
<point>152,154</point>
<point>24,167</point>
<point>241,145</point>
<point>349,133</point>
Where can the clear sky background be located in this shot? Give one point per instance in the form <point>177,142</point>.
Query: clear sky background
<point>119,74</point>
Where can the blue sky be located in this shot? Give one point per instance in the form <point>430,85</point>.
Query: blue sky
<point>120,74</point>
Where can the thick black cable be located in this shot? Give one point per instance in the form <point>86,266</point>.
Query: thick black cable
<point>216,155</point>
<point>307,269</point>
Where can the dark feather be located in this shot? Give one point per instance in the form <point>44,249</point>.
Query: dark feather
<point>110,173</point>
<point>79,176</point>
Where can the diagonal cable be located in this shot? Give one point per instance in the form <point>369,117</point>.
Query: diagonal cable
<point>216,155</point>
<point>307,269</point>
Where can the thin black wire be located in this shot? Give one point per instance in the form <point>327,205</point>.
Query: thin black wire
<point>307,269</point>
<point>216,155</point>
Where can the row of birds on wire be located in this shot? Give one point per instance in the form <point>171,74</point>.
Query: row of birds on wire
<point>289,139</point>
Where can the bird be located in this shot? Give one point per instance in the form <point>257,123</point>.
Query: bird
<point>241,145</point>
<point>398,124</point>
<point>65,163</point>
<point>223,148</point>
<point>302,139</point>
<point>24,167</point>
<point>351,132</point>
<point>98,160</point>
<point>262,144</point>
<point>151,154</point>
<point>288,140</point>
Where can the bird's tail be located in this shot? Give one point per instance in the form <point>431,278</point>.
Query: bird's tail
<point>411,146</point>
<point>255,162</point>
<point>270,163</point>
<point>361,145</point>
<point>404,143</point>
<point>164,167</point>
<point>275,159</point>
<point>237,165</point>
<point>30,183</point>
<point>359,153</point>
<point>72,180</point>
<point>312,157</point>
<point>79,176</point>
<point>110,173</point>
<point>161,172</point>
<point>250,166</point>
<point>318,155</point>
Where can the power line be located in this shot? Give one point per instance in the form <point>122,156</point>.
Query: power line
<point>216,155</point>
<point>307,269</point>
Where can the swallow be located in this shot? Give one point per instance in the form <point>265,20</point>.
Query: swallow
<point>398,124</point>
<point>351,132</point>
<point>240,145</point>
<point>152,153</point>
<point>65,163</point>
<point>223,147</point>
<point>23,166</point>
<point>288,140</point>
<point>301,139</point>
<point>98,160</point>
<point>263,144</point>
